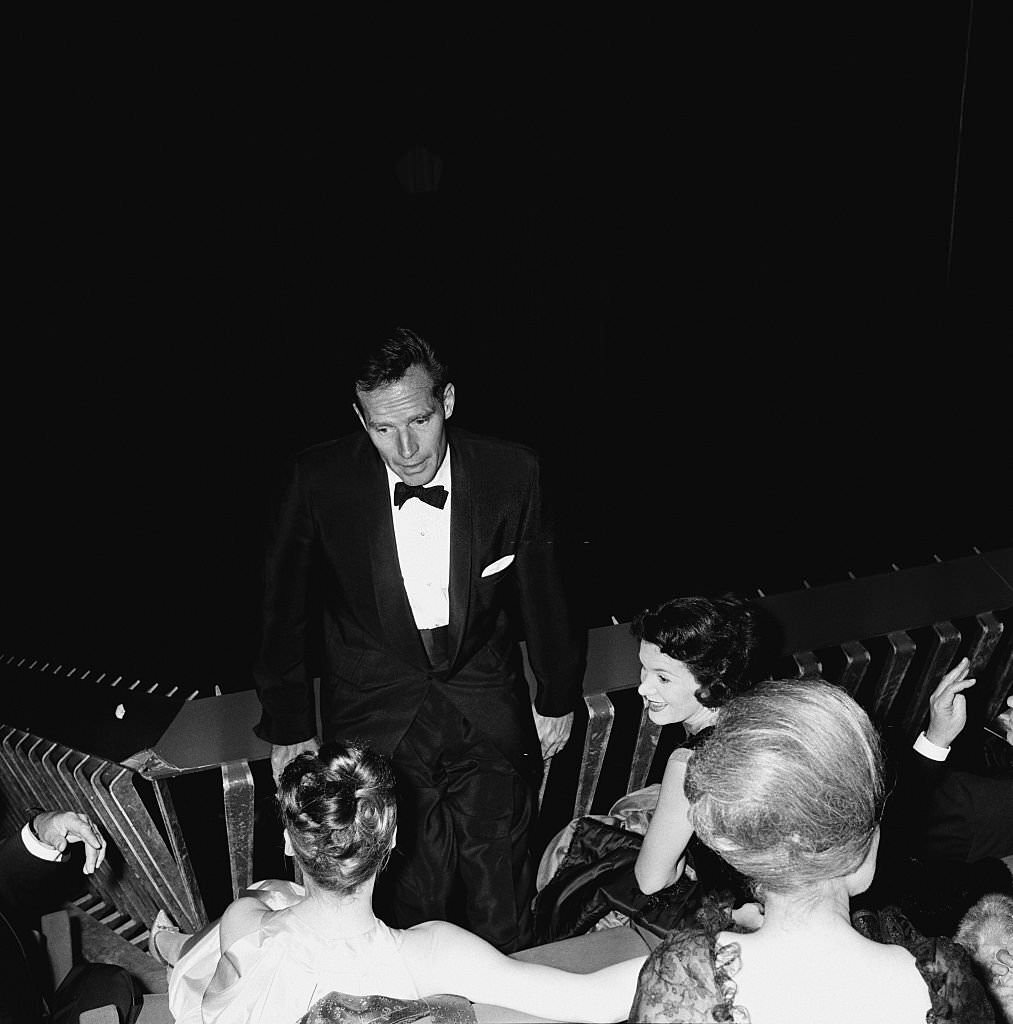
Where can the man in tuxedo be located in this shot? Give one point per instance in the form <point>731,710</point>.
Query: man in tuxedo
<point>965,815</point>
<point>947,837</point>
<point>431,551</point>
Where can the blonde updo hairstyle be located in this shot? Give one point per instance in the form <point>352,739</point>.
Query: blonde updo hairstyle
<point>789,786</point>
<point>339,808</point>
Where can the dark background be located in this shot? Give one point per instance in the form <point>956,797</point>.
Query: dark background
<point>719,268</point>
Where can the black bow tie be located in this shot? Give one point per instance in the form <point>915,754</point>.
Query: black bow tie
<point>435,496</point>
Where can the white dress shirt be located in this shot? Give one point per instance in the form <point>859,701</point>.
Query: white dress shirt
<point>924,746</point>
<point>37,848</point>
<point>422,533</point>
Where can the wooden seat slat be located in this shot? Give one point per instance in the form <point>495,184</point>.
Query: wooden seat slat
<point>601,715</point>
<point>648,734</point>
<point>901,653</point>
<point>856,663</point>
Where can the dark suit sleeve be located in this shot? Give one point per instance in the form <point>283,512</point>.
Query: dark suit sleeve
<point>556,643</point>
<point>916,778</point>
<point>29,888</point>
<point>286,692</point>
<point>27,882</point>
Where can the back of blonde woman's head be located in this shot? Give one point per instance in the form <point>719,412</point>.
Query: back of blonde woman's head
<point>339,809</point>
<point>789,786</point>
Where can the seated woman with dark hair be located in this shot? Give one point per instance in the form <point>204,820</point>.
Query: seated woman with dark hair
<point>279,950</point>
<point>695,655</point>
<point>789,789</point>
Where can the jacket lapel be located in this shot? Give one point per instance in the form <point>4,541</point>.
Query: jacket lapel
<point>396,619</point>
<point>461,513</point>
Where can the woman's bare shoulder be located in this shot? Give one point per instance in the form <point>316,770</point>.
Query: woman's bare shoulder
<point>440,933</point>
<point>441,942</point>
<point>241,917</point>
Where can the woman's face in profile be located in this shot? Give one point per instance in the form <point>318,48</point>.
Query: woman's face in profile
<point>667,686</point>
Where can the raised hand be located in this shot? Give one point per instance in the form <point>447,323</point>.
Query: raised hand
<point>948,706</point>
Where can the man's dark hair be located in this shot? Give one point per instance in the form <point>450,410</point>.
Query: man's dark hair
<point>388,363</point>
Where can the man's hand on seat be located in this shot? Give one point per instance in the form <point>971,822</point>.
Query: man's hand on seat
<point>282,753</point>
<point>59,828</point>
<point>552,732</point>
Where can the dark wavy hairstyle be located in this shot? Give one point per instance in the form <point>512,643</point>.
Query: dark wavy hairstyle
<point>388,363</point>
<point>340,811</point>
<point>714,637</point>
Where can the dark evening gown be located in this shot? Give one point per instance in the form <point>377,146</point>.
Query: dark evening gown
<point>593,882</point>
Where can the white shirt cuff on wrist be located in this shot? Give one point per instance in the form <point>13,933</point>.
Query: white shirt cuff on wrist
<point>37,848</point>
<point>925,747</point>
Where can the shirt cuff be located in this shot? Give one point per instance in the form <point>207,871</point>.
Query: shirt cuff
<point>925,747</point>
<point>37,848</point>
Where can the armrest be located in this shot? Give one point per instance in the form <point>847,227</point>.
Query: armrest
<point>59,945</point>
<point>154,1010</point>
<point>100,1015</point>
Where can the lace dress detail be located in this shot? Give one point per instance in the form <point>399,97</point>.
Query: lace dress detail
<point>690,977</point>
<point>728,963</point>
<point>945,966</point>
<point>339,1008</point>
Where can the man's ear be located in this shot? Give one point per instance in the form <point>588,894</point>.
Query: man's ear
<point>448,401</point>
<point>289,852</point>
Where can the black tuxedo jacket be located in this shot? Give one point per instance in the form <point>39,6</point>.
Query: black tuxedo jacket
<point>334,528</point>
<point>29,887</point>
<point>949,814</point>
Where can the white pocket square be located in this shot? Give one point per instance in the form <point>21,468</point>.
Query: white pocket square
<point>498,566</point>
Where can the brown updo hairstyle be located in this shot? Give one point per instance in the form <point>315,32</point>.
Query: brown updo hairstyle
<point>340,811</point>
<point>714,637</point>
<point>789,786</point>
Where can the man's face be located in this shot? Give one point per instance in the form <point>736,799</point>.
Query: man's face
<point>407,425</point>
